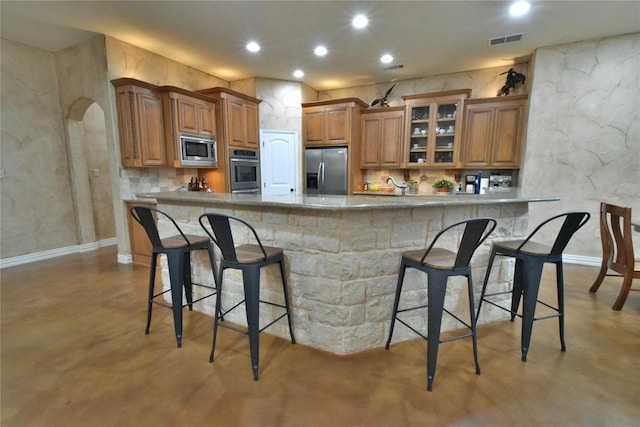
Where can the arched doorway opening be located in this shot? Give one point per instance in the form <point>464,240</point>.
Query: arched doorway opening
<point>89,172</point>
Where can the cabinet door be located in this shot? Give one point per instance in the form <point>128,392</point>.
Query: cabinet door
<point>129,147</point>
<point>446,135</point>
<point>477,136</point>
<point>507,131</point>
<point>371,132</point>
<point>235,115</point>
<point>188,117</point>
<point>150,129</point>
<point>391,140</point>
<point>313,126</point>
<point>337,125</point>
<point>252,126</point>
<point>207,119</point>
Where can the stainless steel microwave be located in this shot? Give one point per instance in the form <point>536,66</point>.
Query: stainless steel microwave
<point>198,151</point>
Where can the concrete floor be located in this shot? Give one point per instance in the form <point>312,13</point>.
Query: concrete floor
<point>74,353</point>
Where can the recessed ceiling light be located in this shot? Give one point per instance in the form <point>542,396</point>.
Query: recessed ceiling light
<point>320,51</point>
<point>253,47</point>
<point>298,73</point>
<point>386,58</point>
<point>519,8</point>
<point>360,21</point>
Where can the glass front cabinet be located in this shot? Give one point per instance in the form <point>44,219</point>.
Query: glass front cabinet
<point>433,128</point>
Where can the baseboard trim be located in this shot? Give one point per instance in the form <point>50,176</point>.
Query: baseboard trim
<point>582,260</point>
<point>53,253</point>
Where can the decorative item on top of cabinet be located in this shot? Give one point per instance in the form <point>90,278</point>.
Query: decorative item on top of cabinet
<point>238,118</point>
<point>140,123</point>
<point>336,123</point>
<point>188,113</point>
<point>382,137</point>
<point>493,132</point>
<point>432,131</point>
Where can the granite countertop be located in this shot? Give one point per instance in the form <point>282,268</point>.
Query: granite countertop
<point>331,202</point>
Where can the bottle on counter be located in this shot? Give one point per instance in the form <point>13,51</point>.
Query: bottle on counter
<point>478,182</point>
<point>365,186</point>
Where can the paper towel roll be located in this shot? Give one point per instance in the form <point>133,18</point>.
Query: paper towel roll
<point>484,185</point>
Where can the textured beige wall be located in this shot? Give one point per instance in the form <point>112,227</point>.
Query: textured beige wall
<point>583,137</point>
<point>37,209</point>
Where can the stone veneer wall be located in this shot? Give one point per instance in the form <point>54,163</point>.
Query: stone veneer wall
<point>343,265</point>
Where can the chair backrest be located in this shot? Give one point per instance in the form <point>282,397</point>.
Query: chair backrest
<point>476,231</point>
<point>573,221</point>
<point>146,217</point>
<point>219,229</point>
<point>616,236</point>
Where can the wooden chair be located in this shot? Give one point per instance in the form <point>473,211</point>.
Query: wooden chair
<point>617,250</point>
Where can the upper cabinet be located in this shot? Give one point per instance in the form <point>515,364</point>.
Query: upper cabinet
<point>331,123</point>
<point>186,113</point>
<point>432,130</point>
<point>140,124</point>
<point>382,137</point>
<point>493,132</point>
<point>239,119</point>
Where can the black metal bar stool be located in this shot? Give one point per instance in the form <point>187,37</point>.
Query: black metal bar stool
<point>178,249</point>
<point>440,264</point>
<point>249,258</point>
<point>530,259</point>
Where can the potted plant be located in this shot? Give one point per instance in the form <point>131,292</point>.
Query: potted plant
<point>413,186</point>
<point>443,185</point>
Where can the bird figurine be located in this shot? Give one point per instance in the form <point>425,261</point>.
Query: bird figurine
<point>513,79</point>
<point>383,101</point>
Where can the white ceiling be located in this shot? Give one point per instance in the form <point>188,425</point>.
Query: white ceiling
<point>426,37</point>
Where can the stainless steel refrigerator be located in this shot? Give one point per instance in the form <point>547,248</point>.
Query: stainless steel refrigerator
<point>326,171</point>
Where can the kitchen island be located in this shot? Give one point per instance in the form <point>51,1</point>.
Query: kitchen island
<point>343,254</point>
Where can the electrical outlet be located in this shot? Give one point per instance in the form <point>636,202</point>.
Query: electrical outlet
<point>96,172</point>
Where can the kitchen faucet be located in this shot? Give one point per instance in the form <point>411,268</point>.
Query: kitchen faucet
<point>402,186</point>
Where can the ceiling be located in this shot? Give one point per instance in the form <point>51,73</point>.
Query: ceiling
<point>425,37</point>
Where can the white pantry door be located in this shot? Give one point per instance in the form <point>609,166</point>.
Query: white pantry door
<point>278,162</point>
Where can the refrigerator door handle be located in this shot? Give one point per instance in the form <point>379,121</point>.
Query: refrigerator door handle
<point>321,177</point>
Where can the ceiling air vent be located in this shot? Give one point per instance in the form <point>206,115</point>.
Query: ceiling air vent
<point>394,67</point>
<point>505,39</point>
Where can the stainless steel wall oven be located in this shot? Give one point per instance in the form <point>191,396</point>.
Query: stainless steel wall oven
<point>244,167</point>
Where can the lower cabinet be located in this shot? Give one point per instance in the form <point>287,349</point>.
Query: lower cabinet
<point>140,244</point>
<point>382,138</point>
<point>493,132</point>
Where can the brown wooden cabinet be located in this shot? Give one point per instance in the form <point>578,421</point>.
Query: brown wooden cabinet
<point>382,137</point>
<point>140,124</point>
<point>330,123</point>
<point>336,123</point>
<point>493,132</point>
<point>238,118</point>
<point>141,246</point>
<point>432,130</point>
<point>189,113</point>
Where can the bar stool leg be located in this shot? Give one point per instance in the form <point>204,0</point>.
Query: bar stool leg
<point>152,280</point>
<point>188,286</point>
<point>486,280</point>
<point>403,267</point>
<point>251,281</point>
<point>473,323</point>
<point>286,298</point>
<point>532,272</point>
<point>176,275</point>
<point>436,289</point>
<point>218,312</point>
<point>560,283</point>
<point>516,292</point>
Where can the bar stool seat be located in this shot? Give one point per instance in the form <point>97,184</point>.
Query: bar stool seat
<point>178,250</point>
<point>250,259</point>
<point>530,258</point>
<point>440,264</point>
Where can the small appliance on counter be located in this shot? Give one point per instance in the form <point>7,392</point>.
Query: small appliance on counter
<point>471,182</point>
<point>499,182</point>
